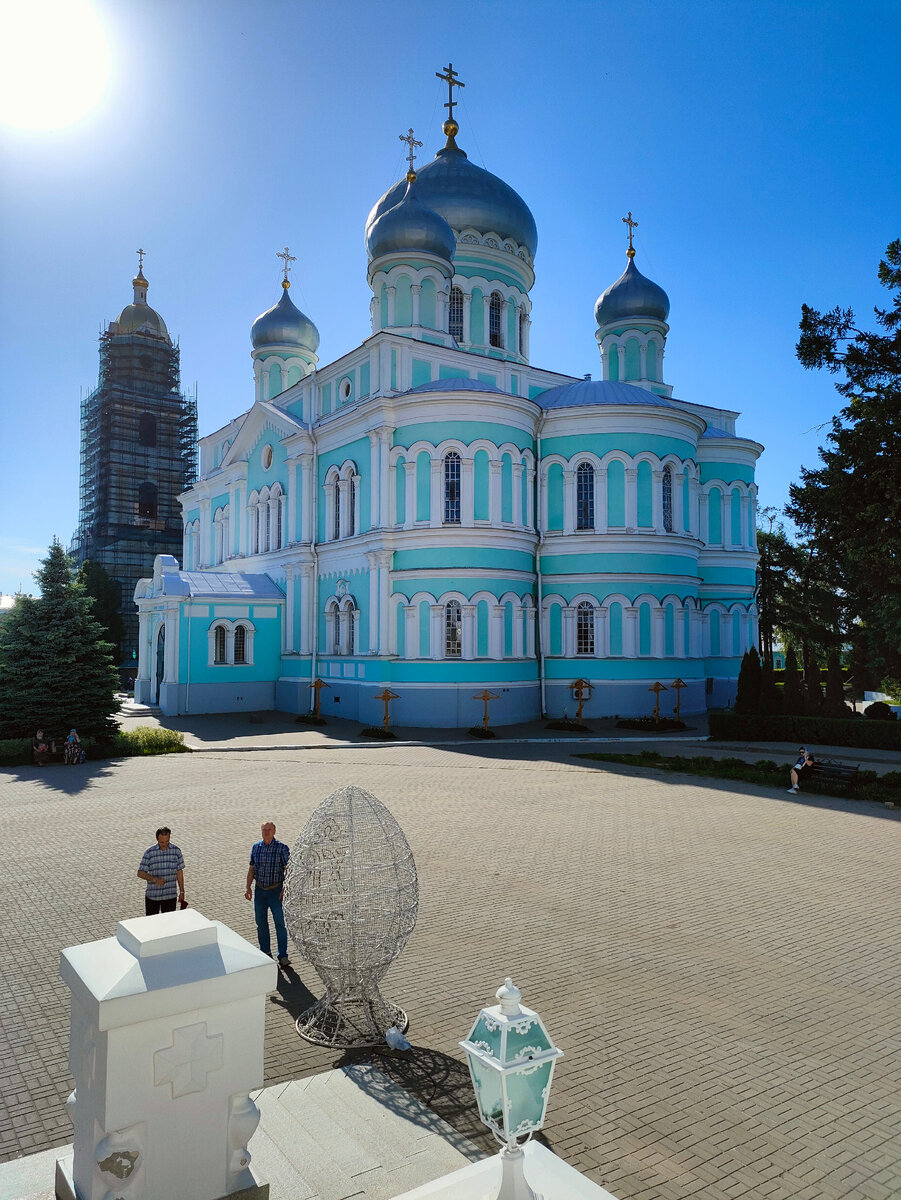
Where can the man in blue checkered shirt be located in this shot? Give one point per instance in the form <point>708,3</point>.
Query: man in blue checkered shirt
<point>163,868</point>
<point>268,860</point>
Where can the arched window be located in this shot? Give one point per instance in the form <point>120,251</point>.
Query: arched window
<point>452,488</point>
<point>495,322</point>
<point>147,495</point>
<point>453,629</point>
<point>455,314</point>
<point>668,499</point>
<point>147,429</point>
<point>585,628</point>
<point>351,506</point>
<point>585,496</point>
<point>349,620</point>
<point>523,331</point>
<point>335,614</point>
<point>221,647</point>
<point>336,533</point>
<point>240,644</point>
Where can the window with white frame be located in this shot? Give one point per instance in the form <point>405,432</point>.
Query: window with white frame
<point>220,653</point>
<point>240,644</point>
<point>336,512</point>
<point>668,499</point>
<point>455,314</point>
<point>453,629</point>
<point>585,628</point>
<point>351,506</point>
<point>585,496</point>
<point>452,488</point>
<point>495,319</point>
<point>230,643</point>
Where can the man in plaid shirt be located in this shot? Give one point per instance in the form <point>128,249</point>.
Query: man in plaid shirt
<point>163,867</point>
<point>268,860</point>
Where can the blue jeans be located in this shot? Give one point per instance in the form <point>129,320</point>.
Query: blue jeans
<point>263,903</point>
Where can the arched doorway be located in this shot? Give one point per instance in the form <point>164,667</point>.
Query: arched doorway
<point>160,662</point>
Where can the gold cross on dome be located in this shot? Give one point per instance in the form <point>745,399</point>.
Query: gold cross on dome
<point>411,142</point>
<point>452,81</point>
<point>140,254</point>
<point>627,220</point>
<point>288,257</point>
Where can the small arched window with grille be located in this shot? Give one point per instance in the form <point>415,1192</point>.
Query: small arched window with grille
<point>668,499</point>
<point>221,645</point>
<point>147,429</point>
<point>495,319</point>
<point>350,617</point>
<point>585,496</point>
<point>336,531</point>
<point>453,629</point>
<point>452,488</point>
<point>147,501</point>
<point>455,314</point>
<point>585,628</point>
<point>240,644</point>
<point>351,506</point>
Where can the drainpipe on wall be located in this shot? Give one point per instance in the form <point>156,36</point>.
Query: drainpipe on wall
<point>538,622</point>
<point>314,526</point>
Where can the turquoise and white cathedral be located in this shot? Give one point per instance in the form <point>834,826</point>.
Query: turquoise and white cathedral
<point>433,514</point>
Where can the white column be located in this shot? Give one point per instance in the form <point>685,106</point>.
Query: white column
<point>486,319</point>
<point>657,501</point>
<point>517,309</point>
<point>621,354</point>
<point>436,497</point>
<point>530,632</point>
<point>601,634</point>
<point>384,476</point>
<point>496,631</point>
<point>206,530</point>
<point>743,529</point>
<point>375,479</point>
<point>171,653</point>
<point>527,330</point>
<point>630,633</point>
<point>409,493</point>
<point>467,496</point>
<point>306,497</point>
<point>411,631</point>
<point>467,317</point>
<point>372,563</point>
<point>752,521</point>
<point>694,515</point>
<point>509,307</point>
<point>704,513</point>
<point>600,500</point>
<point>436,631</point>
<point>289,610</point>
<point>356,483</point>
<point>530,498</point>
<point>695,640</point>
<point>385,558</point>
<point>469,632</point>
<point>569,633</point>
<point>643,360</point>
<point>306,606</point>
<point>517,633</point>
<point>678,503</point>
<point>569,500</point>
<point>391,290</point>
<point>416,289</point>
<point>631,499</point>
<point>518,469</point>
<point>143,645</point>
<point>658,634</point>
<point>494,493</point>
<point>441,309</point>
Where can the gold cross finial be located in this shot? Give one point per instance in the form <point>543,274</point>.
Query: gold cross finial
<point>140,254</point>
<point>289,258</point>
<point>452,80</point>
<point>411,142</point>
<point>627,220</point>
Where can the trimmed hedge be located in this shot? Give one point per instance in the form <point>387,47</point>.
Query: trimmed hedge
<point>806,731</point>
<point>16,752</point>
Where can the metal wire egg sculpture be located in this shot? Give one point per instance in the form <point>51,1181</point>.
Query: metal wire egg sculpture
<point>351,900</point>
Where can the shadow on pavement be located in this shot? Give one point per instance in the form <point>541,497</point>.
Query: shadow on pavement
<point>292,995</point>
<point>56,777</point>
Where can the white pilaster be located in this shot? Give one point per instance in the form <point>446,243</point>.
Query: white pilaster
<point>494,493</point>
<point>496,631</point>
<point>306,607</point>
<point>467,497</point>
<point>436,492</point>
<point>631,498</point>
<point>657,501</point>
<point>630,632</point>
<point>436,630</point>
<point>569,500</point>
<point>469,632</point>
<point>409,493</point>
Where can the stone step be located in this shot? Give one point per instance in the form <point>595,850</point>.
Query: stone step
<point>327,1180</point>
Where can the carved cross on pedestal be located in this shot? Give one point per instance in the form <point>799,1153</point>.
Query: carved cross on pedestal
<point>657,688</point>
<point>581,688</point>
<point>387,695</point>
<point>317,686</point>
<point>452,81</point>
<point>186,1064</point>
<point>486,696</point>
<point>411,142</point>
<point>678,685</point>
<point>289,258</point>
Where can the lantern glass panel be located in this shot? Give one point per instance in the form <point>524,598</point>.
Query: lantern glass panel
<point>488,1092</point>
<point>487,1036</point>
<point>525,1101</point>
<point>528,1044</point>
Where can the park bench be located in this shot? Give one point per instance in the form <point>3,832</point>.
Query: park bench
<point>827,770</point>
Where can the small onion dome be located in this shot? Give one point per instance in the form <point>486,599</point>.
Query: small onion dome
<point>139,317</point>
<point>631,297</point>
<point>466,196</point>
<point>284,324</point>
<point>410,227</point>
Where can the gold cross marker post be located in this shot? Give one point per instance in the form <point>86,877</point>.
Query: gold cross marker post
<point>485,697</point>
<point>289,258</point>
<point>580,688</point>
<point>678,685</point>
<point>627,220</point>
<point>387,696</point>
<point>451,79</point>
<point>411,142</point>
<point>657,688</point>
<point>317,687</point>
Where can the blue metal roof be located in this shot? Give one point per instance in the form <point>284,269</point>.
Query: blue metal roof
<point>455,385</point>
<point>601,391</point>
<point>221,584</point>
<point>712,432</point>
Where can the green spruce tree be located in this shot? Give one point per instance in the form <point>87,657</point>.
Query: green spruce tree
<point>770,698</point>
<point>747,698</point>
<point>792,696</point>
<point>56,669</point>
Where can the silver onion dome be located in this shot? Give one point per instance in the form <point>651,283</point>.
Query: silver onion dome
<point>410,226</point>
<point>630,297</point>
<point>466,196</point>
<point>284,324</point>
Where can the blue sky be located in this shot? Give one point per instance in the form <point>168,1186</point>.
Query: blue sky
<point>757,145</point>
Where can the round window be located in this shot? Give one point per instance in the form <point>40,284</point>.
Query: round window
<point>344,389</point>
<point>267,457</point>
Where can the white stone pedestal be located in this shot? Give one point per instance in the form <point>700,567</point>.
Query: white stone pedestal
<point>166,1042</point>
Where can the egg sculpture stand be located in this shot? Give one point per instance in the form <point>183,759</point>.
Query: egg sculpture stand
<point>351,900</point>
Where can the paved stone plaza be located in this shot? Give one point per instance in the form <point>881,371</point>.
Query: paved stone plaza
<point>721,964</point>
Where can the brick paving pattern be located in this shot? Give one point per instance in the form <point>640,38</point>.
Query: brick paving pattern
<point>720,964</point>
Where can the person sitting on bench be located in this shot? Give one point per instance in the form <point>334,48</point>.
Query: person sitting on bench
<point>804,763</point>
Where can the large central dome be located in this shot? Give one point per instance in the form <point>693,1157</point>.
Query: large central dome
<point>468,197</point>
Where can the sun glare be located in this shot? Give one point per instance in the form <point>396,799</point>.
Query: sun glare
<point>54,62</point>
